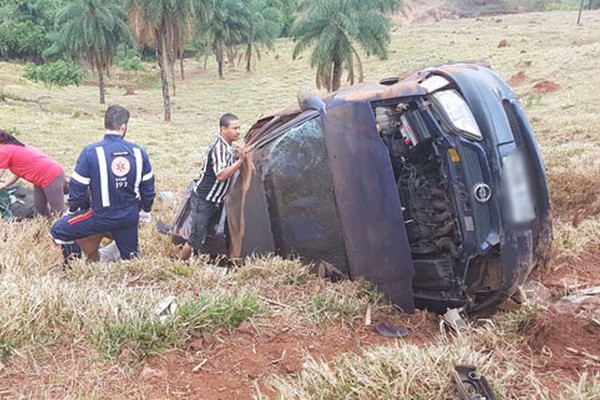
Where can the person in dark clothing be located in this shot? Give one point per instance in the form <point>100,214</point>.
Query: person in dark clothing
<point>111,187</point>
<point>221,163</point>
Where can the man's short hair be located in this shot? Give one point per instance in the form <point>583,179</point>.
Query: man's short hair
<point>226,119</point>
<point>115,116</point>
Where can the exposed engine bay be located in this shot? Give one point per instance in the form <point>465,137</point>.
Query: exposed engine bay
<point>429,212</point>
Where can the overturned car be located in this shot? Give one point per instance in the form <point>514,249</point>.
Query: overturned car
<point>429,184</point>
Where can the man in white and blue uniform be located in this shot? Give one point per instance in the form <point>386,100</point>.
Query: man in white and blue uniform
<point>112,184</point>
<point>221,164</point>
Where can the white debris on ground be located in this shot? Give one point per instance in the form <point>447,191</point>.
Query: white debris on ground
<point>166,308</point>
<point>587,299</point>
<point>582,300</point>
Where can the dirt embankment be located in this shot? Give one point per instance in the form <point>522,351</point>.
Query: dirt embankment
<point>427,11</point>
<point>419,11</point>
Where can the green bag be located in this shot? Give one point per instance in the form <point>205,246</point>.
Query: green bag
<point>16,203</point>
<point>5,203</point>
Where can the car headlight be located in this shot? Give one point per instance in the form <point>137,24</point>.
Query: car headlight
<point>458,113</point>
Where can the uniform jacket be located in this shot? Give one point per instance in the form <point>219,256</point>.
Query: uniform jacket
<point>112,175</point>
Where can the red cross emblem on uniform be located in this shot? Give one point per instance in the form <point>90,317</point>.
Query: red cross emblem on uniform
<point>120,166</point>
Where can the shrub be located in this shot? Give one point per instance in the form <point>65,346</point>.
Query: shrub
<point>132,63</point>
<point>129,60</point>
<point>59,73</point>
<point>23,40</point>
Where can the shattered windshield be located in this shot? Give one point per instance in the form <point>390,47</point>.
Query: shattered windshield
<point>300,192</point>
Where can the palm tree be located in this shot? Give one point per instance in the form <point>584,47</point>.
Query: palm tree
<point>226,24</point>
<point>202,9</point>
<point>334,26</point>
<point>161,24</point>
<point>287,13</point>
<point>92,30</point>
<point>184,13</point>
<point>264,28</point>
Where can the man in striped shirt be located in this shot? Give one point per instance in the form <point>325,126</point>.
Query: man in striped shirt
<point>220,165</point>
<point>111,186</point>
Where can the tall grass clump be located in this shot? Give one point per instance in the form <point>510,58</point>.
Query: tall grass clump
<point>146,334</point>
<point>42,309</point>
<point>570,241</point>
<point>314,297</point>
<point>343,301</point>
<point>218,311</point>
<point>273,270</point>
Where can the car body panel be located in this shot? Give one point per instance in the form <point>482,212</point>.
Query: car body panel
<point>367,202</point>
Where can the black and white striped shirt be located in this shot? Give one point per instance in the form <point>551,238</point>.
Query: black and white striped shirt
<point>219,156</point>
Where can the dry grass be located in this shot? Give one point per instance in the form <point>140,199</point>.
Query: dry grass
<point>405,370</point>
<point>91,314</point>
<point>408,371</point>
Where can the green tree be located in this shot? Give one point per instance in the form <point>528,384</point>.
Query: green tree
<point>287,12</point>
<point>40,12</point>
<point>25,26</point>
<point>225,26</point>
<point>162,25</point>
<point>334,27</point>
<point>24,40</point>
<point>91,30</point>
<point>263,29</point>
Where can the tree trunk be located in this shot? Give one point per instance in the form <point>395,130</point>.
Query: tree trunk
<point>206,53</point>
<point>219,56</point>
<point>336,78</point>
<point>163,65</point>
<point>172,68</point>
<point>249,57</point>
<point>231,56</point>
<point>101,86</point>
<point>181,66</point>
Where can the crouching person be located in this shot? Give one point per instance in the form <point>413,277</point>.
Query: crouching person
<point>112,184</point>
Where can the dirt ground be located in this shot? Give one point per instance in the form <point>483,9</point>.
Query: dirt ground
<point>567,339</point>
<point>220,365</point>
<point>239,366</point>
<point>236,364</point>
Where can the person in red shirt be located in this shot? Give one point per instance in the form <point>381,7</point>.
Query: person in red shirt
<point>27,162</point>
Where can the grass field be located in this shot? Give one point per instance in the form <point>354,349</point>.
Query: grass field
<point>271,329</point>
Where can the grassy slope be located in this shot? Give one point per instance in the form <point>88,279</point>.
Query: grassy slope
<point>101,308</point>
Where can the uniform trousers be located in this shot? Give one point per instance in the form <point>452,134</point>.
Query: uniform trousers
<point>122,225</point>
